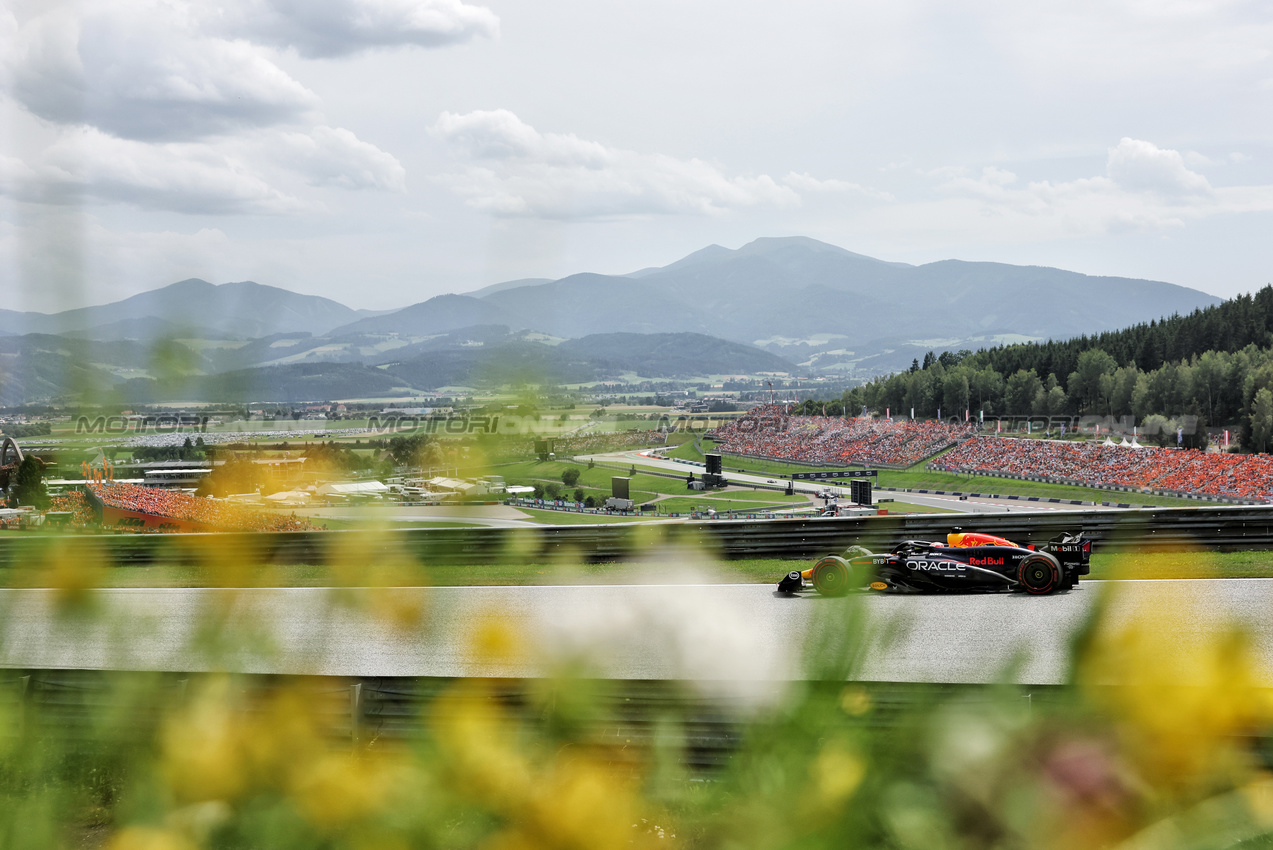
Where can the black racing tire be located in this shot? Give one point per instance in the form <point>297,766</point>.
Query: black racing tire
<point>831,576</point>
<point>1039,574</point>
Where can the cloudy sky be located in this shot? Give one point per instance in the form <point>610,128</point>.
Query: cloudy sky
<point>380,152</point>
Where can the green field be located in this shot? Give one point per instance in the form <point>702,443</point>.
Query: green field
<point>596,482</point>
<point>685,504</point>
<point>919,478</point>
<point>569,518</point>
<point>896,507</point>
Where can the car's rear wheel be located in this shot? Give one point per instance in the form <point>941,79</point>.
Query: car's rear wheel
<point>831,576</point>
<point>1039,574</point>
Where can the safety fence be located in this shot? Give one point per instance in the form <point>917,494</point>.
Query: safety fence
<point>1218,528</point>
<point>627,718</point>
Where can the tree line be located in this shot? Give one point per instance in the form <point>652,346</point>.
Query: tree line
<point>1215,364</point>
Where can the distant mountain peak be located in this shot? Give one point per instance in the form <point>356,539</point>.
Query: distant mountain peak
<point>776,244</point>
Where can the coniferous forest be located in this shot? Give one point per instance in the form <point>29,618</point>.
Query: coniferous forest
<point>1215,363</point>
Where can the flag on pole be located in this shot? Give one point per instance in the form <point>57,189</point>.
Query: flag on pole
<point>965,414</point>
<point>1226,438</point>
<point>998,425</point>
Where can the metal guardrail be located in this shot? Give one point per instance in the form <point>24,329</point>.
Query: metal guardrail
<point>1218,528</point>
<point>627,718</point>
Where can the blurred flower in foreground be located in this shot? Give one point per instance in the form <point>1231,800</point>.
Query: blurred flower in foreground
<point>565,797</point>
<point>1182,688</point>
<point>149,838</point>
<point>72,569</point>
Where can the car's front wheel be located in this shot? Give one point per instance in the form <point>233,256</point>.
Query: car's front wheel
<point>831,576</point>
<point>1039,574</point>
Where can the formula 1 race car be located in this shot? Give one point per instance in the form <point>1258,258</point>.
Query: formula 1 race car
<point>965,562</point>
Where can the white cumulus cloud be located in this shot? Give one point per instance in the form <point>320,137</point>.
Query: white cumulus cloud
<point>1143,166</point>
<point>138,70</point>
<point>262,173</point>
<point>181,177</point>
<point>512,169</point>
<point>333,28</point>
<point>146,103</point>
<point>1144,188</point>
<point>804,182</point>
<point>332,156</point>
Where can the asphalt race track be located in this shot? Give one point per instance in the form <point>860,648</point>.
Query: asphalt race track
<point>727,636</point>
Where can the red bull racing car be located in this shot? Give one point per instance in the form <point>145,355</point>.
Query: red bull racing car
<point>965,562</point>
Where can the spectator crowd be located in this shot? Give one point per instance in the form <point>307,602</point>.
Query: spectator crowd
<point>214,513</point>
<point>770,432</point>
<point>1105,464</point>
<point>76,505</point>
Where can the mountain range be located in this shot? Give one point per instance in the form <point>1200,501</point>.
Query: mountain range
<point>192,308</point>
<point>776,304</point>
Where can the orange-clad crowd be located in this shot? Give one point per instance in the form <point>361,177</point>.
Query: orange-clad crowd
<point>770,432</point>
<point>210,512</point>
<point>1100,464</point>
<point>74,503</point>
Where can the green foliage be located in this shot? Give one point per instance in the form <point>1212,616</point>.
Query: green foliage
<point>34,429</point>
<point>1217,387</point>
<point>415,450</point>
<point>1262,420</point>
<point>236,475</point>
<point>334,457</point>
<point>186,451</point>
<point>1020,390</point>
<point>570,476</point>
<point>1211,364</point>
<point>27,488</point>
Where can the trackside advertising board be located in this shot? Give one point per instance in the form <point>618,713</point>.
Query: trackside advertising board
<point>842,473</point>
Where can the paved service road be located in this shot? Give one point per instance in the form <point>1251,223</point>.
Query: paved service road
<point>726,634</point>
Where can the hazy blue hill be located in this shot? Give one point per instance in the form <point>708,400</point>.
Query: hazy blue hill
<point>664,355</point>
<point>1045,302</point>
<point>809,302</point>
<point>508,284</point>
<point>298,382</point>
<point>514,362</point>
<point>43,366</point>
<point>14,322</point>
<point>797,287</point>
<point>584,304</point>
<point>437,315</point>
<point>197,308</point>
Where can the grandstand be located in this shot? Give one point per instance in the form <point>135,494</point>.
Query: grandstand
<point>131,507</point>
<point>769,432</point>
<point>1171,471</point>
